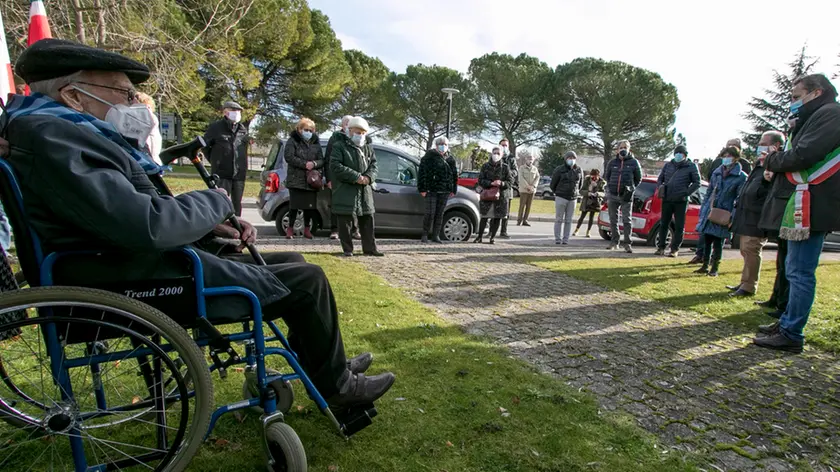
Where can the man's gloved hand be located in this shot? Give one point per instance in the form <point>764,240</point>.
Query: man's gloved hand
<point>227,231</point>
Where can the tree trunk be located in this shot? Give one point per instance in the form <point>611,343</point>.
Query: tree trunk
<point>80,25</point>
<point>100,22</point>
<point>431,140</point>
<point>607,153</point>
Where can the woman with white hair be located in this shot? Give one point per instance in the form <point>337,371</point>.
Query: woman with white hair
<point>437,180</point>
<point>494,179</point>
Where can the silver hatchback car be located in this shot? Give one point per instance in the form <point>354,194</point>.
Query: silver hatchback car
<point>399,206</point>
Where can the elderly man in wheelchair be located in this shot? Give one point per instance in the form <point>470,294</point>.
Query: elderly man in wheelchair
<point>97,207</point>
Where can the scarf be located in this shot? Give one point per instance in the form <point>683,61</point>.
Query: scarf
<point>796,221</point>
<point>41,105</point>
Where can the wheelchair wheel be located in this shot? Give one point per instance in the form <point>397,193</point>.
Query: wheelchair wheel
<point>100,381</point>
<point>285,451</point>
<point>283,393</point>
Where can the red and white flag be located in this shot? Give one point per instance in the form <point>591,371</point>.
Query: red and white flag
<point>7,80</point>
<point>39,26</point>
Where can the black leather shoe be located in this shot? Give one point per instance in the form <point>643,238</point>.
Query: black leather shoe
<point>695,260</point>
<point>767,304</point>
<point>347,254</point>
<point>359,389</point>
<point>776,314</point>
<point>769,329</point>
<point>361,363</point>
<point>375,254</point>
<point>424,239</point>
<point>504,236</point>
<point>741,293</point>
<point>437,240</point>
<point>779,342</point>
<point>733,288</point>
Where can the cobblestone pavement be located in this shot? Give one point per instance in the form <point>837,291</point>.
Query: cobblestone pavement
<point>694,381</point>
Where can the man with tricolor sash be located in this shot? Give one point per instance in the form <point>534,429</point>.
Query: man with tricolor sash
<point>803,203</point>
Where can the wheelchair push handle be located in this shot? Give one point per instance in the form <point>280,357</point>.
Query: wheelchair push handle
<point>192,151</point>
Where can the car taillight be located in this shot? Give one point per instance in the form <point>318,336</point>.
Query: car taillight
<point>272,184</point>
<point>648,204</point>
<point>605,207</point>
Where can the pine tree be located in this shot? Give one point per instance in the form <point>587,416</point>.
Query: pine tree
<point>771,111</point>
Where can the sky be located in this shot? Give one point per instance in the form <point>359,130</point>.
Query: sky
<point>717,53</point>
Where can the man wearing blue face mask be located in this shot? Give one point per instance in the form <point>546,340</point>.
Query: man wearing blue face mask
<point>802,205</point>
<point>227,151</point>
<point>623,175</point>
<point>566,182</point>
<point>678,180</point>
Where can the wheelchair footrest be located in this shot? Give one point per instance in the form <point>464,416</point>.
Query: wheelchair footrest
<point>356,418</point>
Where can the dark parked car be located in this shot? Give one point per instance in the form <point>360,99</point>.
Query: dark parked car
<point>399,206</point>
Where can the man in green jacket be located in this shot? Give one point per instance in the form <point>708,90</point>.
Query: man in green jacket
<point>353,172</point>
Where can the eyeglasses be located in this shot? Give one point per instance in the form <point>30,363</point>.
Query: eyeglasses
<point>130,93</point>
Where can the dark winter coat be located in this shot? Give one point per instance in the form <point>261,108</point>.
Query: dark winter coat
<point>566,181</point>
<point>592,201</point>
<point>227,149</point>
<point>624,172</point>
<point>347,163</point>
<point>681,180</point>
<point>750,203</point>
<point>108,203</point>
<point>297,153</point>
<point>814,138</point>
<point>437,174</point>
<point>510,161</point>
<point>725,191</point>
<point>491,172</point>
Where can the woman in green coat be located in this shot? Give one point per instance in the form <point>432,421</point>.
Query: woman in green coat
<point>353,172</point>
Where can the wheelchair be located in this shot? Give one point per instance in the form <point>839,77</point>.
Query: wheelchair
<point>93,379</point>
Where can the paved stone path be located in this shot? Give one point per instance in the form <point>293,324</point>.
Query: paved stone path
<point>694,381</point>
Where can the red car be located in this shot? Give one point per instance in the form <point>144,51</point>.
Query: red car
<point>468,178</point>
<point>647,211</point>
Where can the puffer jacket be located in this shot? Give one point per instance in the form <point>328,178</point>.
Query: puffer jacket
<point>817,136</point>
<point>725,191</point>
<point>347,163</point>
<point>297,153</point>
<point>436,174</point>
<point>681,180</point>
<point>624,172</point>
<point>750,204</point>
<point>566,181</point>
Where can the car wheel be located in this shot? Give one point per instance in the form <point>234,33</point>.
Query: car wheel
<point>515,193</point>
<point>546,195</point>
<point>457,227</point>
<point>653,238</point>
<point>605,235</point>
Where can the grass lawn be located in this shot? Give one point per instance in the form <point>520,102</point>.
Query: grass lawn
<point>186,184</point>
<point>538,207</point>
<point>673,283</point>
<point>446,410</point>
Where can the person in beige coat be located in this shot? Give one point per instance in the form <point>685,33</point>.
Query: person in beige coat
<point>529,176</point>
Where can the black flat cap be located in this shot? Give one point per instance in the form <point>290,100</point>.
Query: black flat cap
<point>51,58</point>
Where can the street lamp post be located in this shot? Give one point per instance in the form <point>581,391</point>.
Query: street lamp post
<point>449,93</point>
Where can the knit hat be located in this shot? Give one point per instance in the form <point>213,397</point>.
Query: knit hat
<point>570,155</point>
<point>358,122</point>
<point>681,149</point>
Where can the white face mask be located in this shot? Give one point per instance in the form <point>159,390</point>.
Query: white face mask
<point>234,115</point>
<point>134,121</point>
<point>496,157</point>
